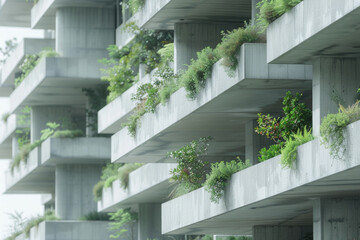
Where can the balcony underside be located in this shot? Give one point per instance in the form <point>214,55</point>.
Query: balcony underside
<point>15,13</point>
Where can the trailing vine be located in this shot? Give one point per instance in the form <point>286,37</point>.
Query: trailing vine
<point>124,221</point>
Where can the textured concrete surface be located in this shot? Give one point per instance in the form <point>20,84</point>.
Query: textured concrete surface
<point>148,184</point>
<point>221,110</point>
<point>281,232</point>
<point>56,81</point>
<point>15,13</point>
<point>26,46</point>
<point>315,28</point>
<point>7,130</point>
<point>283,196</point>
<point>123,36</point>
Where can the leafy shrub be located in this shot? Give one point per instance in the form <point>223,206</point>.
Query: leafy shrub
<point>5,117</point>
<point>34,222</point>
<point>14,235</point>
<point>121,219</point>
<point>109,181</point>
<point>219,176</point>
<point>10,46</point>
<point>97,190</point>
<point>95,216</point>
<point>135,5</point>
<point>231,42</point>
<point>270,10</point>
<point>124,171</point>
<point>191,169</point>
<point>333,126</point>
<point>272,151</point>
<point>198,71</point>
<point>289,152</point>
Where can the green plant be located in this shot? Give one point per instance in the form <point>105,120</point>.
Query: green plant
<point>270,10</point>
<point>333,126</point>
<point>95,216</point>
<point>34,222</point>
<point>97,190</point>
<point>289,152</point>
<point>219,176</point>
<point>10,46</point>
<point>231,42</point>
<point>5,117</point>
<point>135,5</point>
<point>191,169</point>
<point>272,151</point>
<point>124,171</point>
<point>122,219</point>
<point>194,78</point>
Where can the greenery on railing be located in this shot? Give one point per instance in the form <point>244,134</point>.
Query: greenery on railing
<point>5,117</point>
<point>95,216</point>
<point>54,130</point>
<point>296,117</point>
<point>22,134</point>
<point>333,126</point>
<point>124,221</point>
<point>10,46</point>
<point>135,5</point>
<point>270,10</point>
<point>30,62</point>
<point>220,174</point>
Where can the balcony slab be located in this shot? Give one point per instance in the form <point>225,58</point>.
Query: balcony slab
<point>7,130</point>
<point>15,13</point>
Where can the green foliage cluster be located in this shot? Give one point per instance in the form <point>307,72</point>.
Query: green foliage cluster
<point>296,116</point>
<point>30,62</point>
<point>97,100</point>
<point>135,5</point>
<point>233,238</point>
<point>5,117</point>
<point>333,126</point>
<point>52,131</point>
<point>10,46</point>
<point>95,216</point>
<point>124,171</point>
<point>123,221</point>
<point>17,225</point>
<point>123,63</point>
<point>289,152</point>
<point>220,174</point>
<point>34,222</point>
<point>270,10</point>
<point>191,170</point>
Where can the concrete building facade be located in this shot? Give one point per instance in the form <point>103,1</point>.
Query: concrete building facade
<point>312,49</point>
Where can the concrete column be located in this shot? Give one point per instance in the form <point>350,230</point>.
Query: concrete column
<point>41,115</point>
<point>14,146</point>
<point>254,10</point>
<point>336,219</point>
<point>281,232</point>
<point>84,31</point>
<point>191,38</point>
<point>254,142</point>
<point>73,190</point>
<point>334,80</point>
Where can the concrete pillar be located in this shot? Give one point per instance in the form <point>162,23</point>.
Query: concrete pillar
<point>334,80</point>
<point>62,115</point>
<point>14,146</point>
<point>191,38</point>
<point>73,190</point>
<point>281,232</point>
<point>336,219</point>
<point>254,142</point>
<point>84,31</point>
<point>254,10</point>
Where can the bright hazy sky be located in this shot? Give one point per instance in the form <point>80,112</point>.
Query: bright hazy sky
<point>29,205</point>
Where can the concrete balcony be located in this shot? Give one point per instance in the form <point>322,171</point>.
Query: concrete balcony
<point>163,14</point>
<point>148,184</point>
<point>69,230</point>
<point>7,130</point>
<point>11,67</point>
<point>15,13</point>
<point>221,110</point>
<point>114,114</point>
<point>56,81</point>
<point>43,13</point>
<point>268,194</point>
<point>314,28</point>
<point>38,174</point>
<point>123,37</point>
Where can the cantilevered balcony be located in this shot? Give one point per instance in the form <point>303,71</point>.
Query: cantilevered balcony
<point>268,193</point>
<point>148,184</point>
<point>56,81</point>
<point>15,13</point>
<point>315,28</point>
<point>11,67</point>
<point>220,110</point>
<point>37,175</point>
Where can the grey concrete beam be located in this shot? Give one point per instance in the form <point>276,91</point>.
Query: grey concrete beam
<point>220,110</point>
<point>268,194</point>
<point>148,184</point>
<point>56,81</point>
<point>15,13</point>
<point>315,28</point>
<point>26,46</point>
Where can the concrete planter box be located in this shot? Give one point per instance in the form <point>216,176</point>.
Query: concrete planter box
<point>315,28</point>
<point>224,104</point>
<point>150,183</point>
<point>268,194</point>
<point>38,175</point>
<point>56,81</point>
